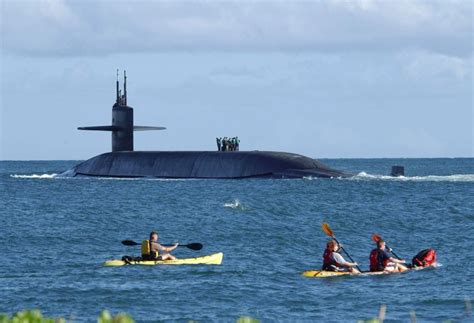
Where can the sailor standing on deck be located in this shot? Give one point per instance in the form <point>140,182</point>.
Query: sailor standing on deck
<point>224,144</point>
<point>333,261</point>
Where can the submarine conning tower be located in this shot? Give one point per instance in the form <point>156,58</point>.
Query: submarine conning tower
<point>122,118</point>
<point>122,127</point>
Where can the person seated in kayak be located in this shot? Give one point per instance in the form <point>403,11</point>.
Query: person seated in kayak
<point>380,260</point>
<point>153,250</point>
<point>333,261</point>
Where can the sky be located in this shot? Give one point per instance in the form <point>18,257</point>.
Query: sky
<point>326,79</point>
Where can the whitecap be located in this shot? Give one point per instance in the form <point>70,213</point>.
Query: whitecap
<point>427,178</point>
<point>234,205</point>
<point>35,176</point>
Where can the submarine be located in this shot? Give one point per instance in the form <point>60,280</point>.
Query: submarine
<point>124,162</point>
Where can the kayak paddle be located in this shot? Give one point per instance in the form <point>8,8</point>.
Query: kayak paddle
<point>377,238</point>
<point>329,232</point>
<point>192,246</point>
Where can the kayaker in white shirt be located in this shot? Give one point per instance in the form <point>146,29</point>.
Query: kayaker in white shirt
<point>333,261</point>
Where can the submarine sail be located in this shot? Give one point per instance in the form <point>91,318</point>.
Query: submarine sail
<point>122,127</point>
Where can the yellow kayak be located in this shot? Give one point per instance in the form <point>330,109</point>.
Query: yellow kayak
<point>214,259</point>
<point>326,274</point>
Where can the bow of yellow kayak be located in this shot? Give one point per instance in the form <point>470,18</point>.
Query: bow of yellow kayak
<point>324,274</point>
<point>213,259</point>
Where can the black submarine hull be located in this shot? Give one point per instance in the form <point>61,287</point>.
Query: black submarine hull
<point>203,164</point>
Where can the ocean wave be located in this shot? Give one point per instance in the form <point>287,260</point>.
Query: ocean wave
<point>310,178</point>
<point>36,176</point>
<point>234,205</point>
<point>427,178</point>
<point>137,179</point>
<point>62,176</point>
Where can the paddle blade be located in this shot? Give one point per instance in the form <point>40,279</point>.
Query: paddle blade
<point>327,229</point>
<point>194,246</point>
<point>129,243</point>
<point>376,237</point>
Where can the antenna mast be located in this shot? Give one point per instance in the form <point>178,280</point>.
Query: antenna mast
<point>125,86</point>
<point>117,88</point>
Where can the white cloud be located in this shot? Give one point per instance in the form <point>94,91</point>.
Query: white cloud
<point>103,27</point>
<point>425,65</point>
<point>57,11</point>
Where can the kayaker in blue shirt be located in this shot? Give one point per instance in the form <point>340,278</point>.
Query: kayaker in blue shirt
<point>162,251</point>
<point>381,260</point>
<point>333,261</point>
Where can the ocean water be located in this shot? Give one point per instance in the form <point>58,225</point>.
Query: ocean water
<point>57,232</point>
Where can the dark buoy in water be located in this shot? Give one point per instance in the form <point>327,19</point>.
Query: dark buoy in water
<point>398,171</point>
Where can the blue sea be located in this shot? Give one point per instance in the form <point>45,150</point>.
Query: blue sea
<point>57,232</point>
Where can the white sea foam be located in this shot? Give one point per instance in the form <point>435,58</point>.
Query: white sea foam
<point>309,178</point>
<point>63,176</point>
<point>234,205</point>
<point>428,178</point>
<point>142,179</point>
<point>36,176</point>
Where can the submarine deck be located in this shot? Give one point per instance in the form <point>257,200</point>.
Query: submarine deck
<point>203,164</point>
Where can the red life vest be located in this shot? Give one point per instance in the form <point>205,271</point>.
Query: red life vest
<point>424,258</point>
<point>328,261</point>
<point>376,263</point>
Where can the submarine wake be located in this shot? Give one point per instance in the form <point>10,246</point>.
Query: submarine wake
<point>363,176</point>
<point>35,176</point>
